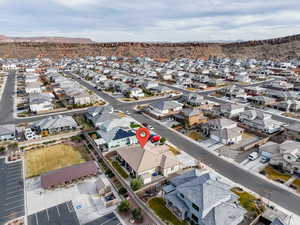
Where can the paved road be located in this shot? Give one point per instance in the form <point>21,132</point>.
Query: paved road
<point>7,100</point>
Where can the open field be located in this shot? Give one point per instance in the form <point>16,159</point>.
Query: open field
<point>39,161</point>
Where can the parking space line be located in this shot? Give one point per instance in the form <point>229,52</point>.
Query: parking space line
<point>105,222</point>
<point>36,218</point>
<point>57,210</point>
<point>47,214</point>
<point>12,192</point>
<point>19,196</point>
<point>15,207</point>
<point>14,202</point>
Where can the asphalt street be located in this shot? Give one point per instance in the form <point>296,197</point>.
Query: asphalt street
<point>7,100</point>
<point>11,191</point>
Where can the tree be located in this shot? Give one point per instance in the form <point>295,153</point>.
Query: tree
<point>163,140</point>
<point>136,184</point>
<point>2,149</point>
<point>124,206</point>
<point>137,214</point>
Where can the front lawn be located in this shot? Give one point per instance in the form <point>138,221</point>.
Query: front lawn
<point>42,160</point>
<point>120,170</point>
<point>247,200</point>
<point>134,125</point>
<point>297,184</point>
<point>195,136</point>
<point>275,175</point>
<point>158,205</point>
<point>174,150</point>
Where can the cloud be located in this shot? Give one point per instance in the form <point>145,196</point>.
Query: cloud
<point>155,20</point>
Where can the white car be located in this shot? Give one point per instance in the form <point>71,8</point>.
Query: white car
<point>253,156</point>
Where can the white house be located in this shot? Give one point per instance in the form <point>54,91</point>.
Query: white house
<point>136,93</point>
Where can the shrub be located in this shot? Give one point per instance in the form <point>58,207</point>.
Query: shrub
<point>137,214</point>
<point>136,184</point>
<point>122,191</point>
<point>124,206</point>
<point>163,140</point>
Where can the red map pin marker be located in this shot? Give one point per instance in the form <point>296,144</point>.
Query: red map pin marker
<point>142,134</point>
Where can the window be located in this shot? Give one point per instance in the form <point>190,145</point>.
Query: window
<point>182,196</point>
<point>195,207</point>
<point>195,218</point>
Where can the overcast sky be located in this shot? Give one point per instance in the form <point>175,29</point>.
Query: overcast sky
<point>151,20</point>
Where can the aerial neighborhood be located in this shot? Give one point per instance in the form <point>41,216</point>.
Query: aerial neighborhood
<point>222,141</point>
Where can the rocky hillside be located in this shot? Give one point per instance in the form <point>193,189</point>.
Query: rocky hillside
<point>6,39</point>
<point>279,48</point>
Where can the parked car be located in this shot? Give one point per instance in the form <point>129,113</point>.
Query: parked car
<point>155,138</point>
<point>253,156</point>
<point>264,159</point>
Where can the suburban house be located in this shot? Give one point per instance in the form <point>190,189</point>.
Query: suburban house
<point>282,95</point>
<point>223,130</point>
<point>292,132</point>
<point>260,120</point>
<point>231,110</point>
<point>7,132</point>
<point>287,156</point>
<point>280,85</point>
<point>288,106</point>
<point>234,91</point>
<point>99,114</point>
<point>202,199</point>
<point>116,137</point>
<point>193,99</point>
<point>78,97</point>
<point>261,100</point>
<point>254,90</point>
<point>136,93</point>
<point>33,87</point>
<point>148,161</point>
<point>165,108</point>
<point>191,117</point>
<point>54,124</point>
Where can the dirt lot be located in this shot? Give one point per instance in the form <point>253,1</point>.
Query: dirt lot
<point>42,160</point>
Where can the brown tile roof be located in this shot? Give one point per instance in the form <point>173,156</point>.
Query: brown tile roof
<point>69,173</point>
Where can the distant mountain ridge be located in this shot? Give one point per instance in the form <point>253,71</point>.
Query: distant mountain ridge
<point>277,48</point>
<point>4,38</point>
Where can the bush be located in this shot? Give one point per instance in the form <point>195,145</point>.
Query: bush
<point>2,149</point>
<point>163,140</point>
<point>120,170</point>
<point>122,191</point>
<point>137,214</point>
<point>124,206</point>
<point>136,184</point>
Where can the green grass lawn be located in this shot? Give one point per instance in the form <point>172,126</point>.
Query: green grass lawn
<point>158,206</point>
<point>120,170</point>
<point>273,174</point>
<point>247,200</point>
<point>134,125</point>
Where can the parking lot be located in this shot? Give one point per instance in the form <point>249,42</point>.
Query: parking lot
<point>109,219</point>
<point>60,214</point>
<point>11,191</point>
